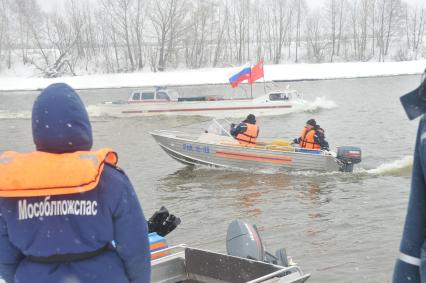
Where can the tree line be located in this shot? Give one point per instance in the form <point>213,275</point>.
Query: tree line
<point>109,36</point>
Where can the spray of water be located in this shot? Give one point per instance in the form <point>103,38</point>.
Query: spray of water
<point>400,167</point>
<point>316,105</point>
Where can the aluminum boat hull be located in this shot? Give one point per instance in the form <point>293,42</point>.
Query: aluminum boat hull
<point>186,149</point>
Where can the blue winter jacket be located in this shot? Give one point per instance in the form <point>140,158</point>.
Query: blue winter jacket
<point>411,263</point>
<point>61,124</point>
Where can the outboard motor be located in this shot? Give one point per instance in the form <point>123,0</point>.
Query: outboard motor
<point>243,240</point>
<point>347,157</point>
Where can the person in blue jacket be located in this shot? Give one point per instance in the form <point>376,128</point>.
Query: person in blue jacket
<point>411,263</point>
<point>67,237</point>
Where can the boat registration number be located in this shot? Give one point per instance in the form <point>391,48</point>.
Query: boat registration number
<point>196,148</point>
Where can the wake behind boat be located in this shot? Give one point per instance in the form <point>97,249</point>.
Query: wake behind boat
<point>161,100</point>
<point>216,148</point>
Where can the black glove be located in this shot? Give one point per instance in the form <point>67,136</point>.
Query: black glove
<point>163,222</point>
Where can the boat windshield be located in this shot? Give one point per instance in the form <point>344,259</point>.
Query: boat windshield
<point>219,127</point>
<point>173,94</point>
<point>275,96</point>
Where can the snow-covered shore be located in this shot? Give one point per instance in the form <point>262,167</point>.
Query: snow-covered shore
<point>288,72</point>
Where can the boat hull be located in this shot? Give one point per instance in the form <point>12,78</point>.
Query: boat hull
<point>223,108</point>
<point>192,152</point>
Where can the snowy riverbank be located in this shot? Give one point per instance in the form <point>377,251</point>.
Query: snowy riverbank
<point>288,72</point>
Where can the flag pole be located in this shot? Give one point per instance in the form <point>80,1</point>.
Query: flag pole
<point>251,85</point>
<point>264,82</point>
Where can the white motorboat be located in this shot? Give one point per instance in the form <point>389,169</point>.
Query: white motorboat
<point>161,100</point>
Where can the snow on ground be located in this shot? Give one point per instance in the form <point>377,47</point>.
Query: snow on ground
<point>288,72</point>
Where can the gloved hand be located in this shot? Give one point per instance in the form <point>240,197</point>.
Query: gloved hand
<point>162,222</point>
<point>232,125</point>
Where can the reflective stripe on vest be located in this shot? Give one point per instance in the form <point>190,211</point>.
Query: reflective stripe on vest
<point>409,259</point>
<point>308,140</point>
<point>45,174</point>
<point>249,136</point>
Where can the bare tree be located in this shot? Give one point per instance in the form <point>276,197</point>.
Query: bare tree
<point>127,35</point>
<point>259,30</point>
<point>120,20</point>
<point>5,34</point>
<point>139,24</point>
<point>332,11</point>
<point>27,13</point>
<point>314,37</point>
<point>197,32</point>
<point>389,24</point>
<point>238,28</point>
<point>278,22</point>
<point>415,23</point>
<point>298,24</point>
<point>220,24</point>
<point>168,19</point>
<point>342,5</point>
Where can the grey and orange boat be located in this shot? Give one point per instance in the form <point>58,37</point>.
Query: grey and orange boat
<point>218,149</point>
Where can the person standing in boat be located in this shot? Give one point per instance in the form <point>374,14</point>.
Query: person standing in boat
<point>411,262</point>
<point>62,206</point>
<point>246,132</point>
<point>307,136</point>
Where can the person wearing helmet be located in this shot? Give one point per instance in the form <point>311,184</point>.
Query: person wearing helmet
<point>63,205</point>
<point>411,262</point>
<point>246,132</point>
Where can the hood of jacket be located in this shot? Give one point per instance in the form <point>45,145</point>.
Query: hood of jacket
<point>60,122</point>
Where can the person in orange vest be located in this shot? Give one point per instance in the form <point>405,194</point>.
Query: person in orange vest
<point>320,138</point>
<point>246,132</point>
<point>307,136</point>
<point>68,213</point>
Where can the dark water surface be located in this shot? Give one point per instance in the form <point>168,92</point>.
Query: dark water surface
<point>339,227</point>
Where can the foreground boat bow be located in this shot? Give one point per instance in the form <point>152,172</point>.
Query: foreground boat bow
<point>198,266</point>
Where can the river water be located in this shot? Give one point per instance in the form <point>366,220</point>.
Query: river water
<point>338,227</point>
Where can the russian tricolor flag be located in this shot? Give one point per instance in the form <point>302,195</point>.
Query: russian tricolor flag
<point>247,72</point>
<point>241,75</point>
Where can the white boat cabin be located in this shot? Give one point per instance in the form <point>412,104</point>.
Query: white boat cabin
<point>163,94</point>
<point>156,94</point>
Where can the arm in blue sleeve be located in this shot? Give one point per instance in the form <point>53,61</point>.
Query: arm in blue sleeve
<point>9,255</point>
<point>241,128</point>
<point>414,233</point>
<point>131,236</point>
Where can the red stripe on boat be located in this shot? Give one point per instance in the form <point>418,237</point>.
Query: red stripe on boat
<point>207,109</point>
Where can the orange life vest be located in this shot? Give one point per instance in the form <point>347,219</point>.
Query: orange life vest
<point>249,137</point>
<point>308,140</point>
<point>44,174</point>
